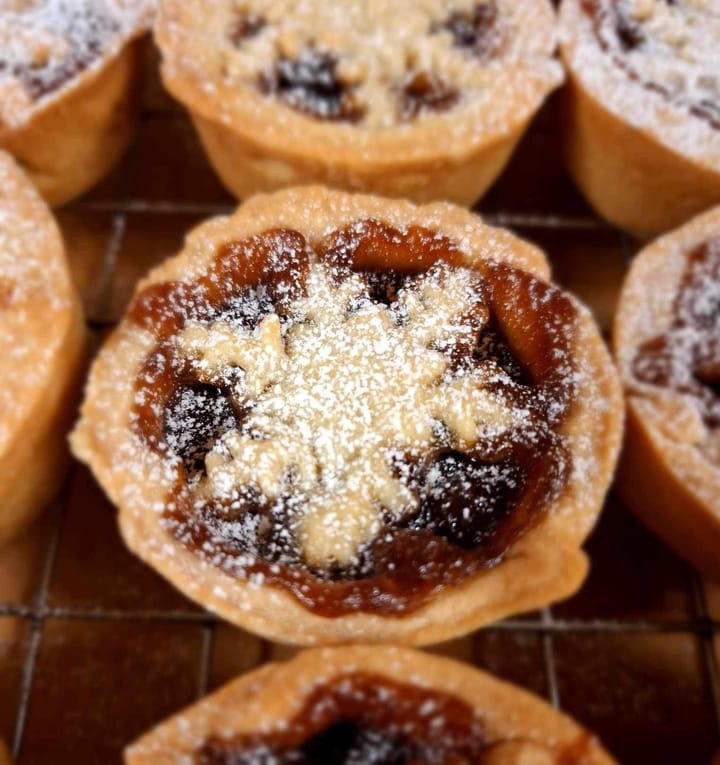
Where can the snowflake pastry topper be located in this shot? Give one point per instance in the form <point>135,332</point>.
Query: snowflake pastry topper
<point>344,385</point>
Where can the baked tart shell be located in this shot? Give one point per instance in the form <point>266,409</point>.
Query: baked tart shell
<point>632,175</point>
<point>544,565</point>
<point>41,406</point>
<point>257,145</point>
<point>529,730</point>
<point>76,136</point>
<point>663,476</point>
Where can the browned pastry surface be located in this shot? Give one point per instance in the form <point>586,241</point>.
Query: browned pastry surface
<point>42,343</point>
<point>643,108</point>
<point>666,342</point>
<point>423,100</point>
<point>364,705</point>
<point>308,412</point>
<point>68,87</point>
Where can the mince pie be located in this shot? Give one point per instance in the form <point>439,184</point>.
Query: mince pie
<point>340,418</point>
<point>424,100</point>
<point>42,342</point>
<point>667,344</point>
<point>643,108</point>
<point>68,76</point>
<point>364,705</point>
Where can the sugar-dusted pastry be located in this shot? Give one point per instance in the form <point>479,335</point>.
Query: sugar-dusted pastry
<point>643,108</point>
<point>68,82</point>
<point>341,706</point>
<point>340,418</point>
<point>667,344</point>
<point>424,100</point>
<point>42,343</point>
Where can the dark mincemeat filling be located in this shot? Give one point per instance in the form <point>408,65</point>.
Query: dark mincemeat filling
<point>611,15</point>
<point>310,83</point>
<point>686,358</point>
<point>424,93</point>
<point>86,31</point>
<point>363,720</point>
<point>473,502</point>
<point>477,31</point>
<point>244,26</point>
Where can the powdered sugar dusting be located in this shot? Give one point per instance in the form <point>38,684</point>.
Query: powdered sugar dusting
<point>382,65</point>
<point>46,44</point>
<point>344,422</point>
<point>365,705</point>
<point>330,408</point>
<point>33,280</point>
<point>686,358</point>
<point>379,46</point>
<point>245,557</point>
<point>360,718</point>
<point>653,63</point>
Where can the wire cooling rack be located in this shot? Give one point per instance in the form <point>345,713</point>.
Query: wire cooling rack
<point>95,648</point>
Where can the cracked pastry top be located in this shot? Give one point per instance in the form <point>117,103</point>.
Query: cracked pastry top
<point>368,705</point>
<point>667,343</point>
<point>356,407</point>
<point>655,64</point>
<point>359,84</point>
<point>40,350</point>
<point>46,45</point>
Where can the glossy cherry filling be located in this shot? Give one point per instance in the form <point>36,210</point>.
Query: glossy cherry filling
<point>469,500</point>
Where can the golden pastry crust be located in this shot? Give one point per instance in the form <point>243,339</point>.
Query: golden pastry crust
<point>544,565</point>
<point>521,727</point>
<point>42,345</point>
<point>666,475</point>
<point>69,130</point>
<point>258,143</point>
<point>4,755</point>
<point>645,160</point>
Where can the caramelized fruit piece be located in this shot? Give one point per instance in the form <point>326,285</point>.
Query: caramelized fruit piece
<point>195,417</point>
<point>629,32</point>
<point>310,84</point>
<point>424,93</point>
<point>465,500</point>
<point>477,31</point>
<point>244,26</point>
